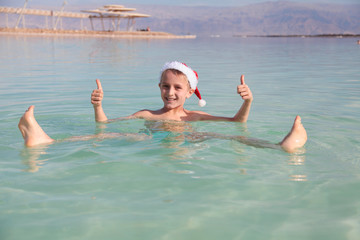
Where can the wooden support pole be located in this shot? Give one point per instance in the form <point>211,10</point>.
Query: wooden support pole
<point>21,15</point>
<point>118,24</point>
<point>7,21</point>
<point>102,23</point>
<point>91,22</point>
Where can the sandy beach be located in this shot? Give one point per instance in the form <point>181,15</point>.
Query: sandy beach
<point>86,33</point>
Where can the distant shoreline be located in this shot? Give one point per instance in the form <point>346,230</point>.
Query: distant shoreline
<point>146,34</point>
<point>303,36</point>
<point>85,33</point>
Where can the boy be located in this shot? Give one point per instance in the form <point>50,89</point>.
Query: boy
<point>177,83</point>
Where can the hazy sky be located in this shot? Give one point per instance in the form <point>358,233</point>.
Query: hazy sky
<point>129,3</point>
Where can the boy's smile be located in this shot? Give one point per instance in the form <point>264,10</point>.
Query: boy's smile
<point>174,90</point>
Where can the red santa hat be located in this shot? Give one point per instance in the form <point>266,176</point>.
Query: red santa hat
<point>191,75</point>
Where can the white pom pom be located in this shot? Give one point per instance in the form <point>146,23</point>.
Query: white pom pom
<point>202,102</point>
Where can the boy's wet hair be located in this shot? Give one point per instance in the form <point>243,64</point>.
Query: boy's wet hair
<point>176,73</point>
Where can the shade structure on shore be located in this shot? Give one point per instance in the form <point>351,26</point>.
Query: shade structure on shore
<point>114,13</point>
<point>58,15</point>
<point>41,12</point>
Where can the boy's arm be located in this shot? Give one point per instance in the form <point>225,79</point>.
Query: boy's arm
<point>242,115</point>
<point>96,98</point>
<point>244,91</point>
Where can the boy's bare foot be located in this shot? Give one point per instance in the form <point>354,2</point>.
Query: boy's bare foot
<point>31,130</point>
<point>296,138</point>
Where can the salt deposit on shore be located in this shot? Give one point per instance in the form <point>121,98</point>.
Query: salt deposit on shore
<point>85,33</point>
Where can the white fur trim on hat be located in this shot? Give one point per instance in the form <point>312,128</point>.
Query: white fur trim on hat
<point>189,73</point>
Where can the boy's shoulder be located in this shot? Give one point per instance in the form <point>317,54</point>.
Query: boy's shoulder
<point>197,115</point>
<point>203,116</point>
<point>148,114</point>
<point>157,115</point>
<point>143,113</point>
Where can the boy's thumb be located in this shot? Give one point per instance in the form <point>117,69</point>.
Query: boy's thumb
<point>98,83</point>
<point>242,80</point>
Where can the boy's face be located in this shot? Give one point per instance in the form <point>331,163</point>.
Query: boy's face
<point>175,89</point>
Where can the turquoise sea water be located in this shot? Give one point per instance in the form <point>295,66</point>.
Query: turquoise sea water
<point>163,187</point>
